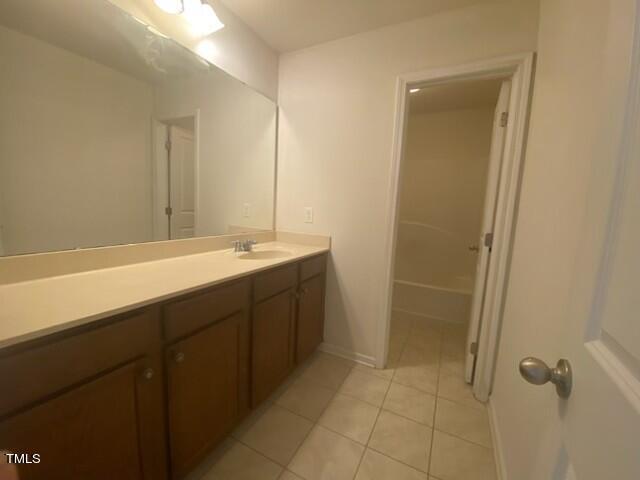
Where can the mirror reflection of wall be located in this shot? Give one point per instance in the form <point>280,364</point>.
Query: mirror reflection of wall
<point>86,116</point>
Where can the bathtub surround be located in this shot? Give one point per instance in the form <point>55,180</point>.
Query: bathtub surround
<point>443,186</point>
<point>335,136</point>
<point>442,190</point>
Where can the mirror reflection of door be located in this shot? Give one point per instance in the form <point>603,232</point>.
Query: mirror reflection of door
<point>182,182</point>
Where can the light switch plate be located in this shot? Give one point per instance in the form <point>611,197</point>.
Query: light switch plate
<point>246,210</point>
<point>308,214</point>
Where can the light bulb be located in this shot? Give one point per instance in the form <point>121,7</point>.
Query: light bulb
<point>201,17</point>
<point>171,6</point>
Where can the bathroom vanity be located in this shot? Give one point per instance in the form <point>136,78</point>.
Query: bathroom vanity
<point>147,393</point>
<point>132,337</point>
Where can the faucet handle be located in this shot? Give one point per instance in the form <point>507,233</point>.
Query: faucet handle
<point>248,244</point>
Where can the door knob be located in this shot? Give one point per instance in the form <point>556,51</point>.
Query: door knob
<point>535,371</point>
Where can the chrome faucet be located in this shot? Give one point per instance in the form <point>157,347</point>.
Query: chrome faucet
<point>243,245</point>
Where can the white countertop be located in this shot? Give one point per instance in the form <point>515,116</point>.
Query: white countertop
<point>40,307</point>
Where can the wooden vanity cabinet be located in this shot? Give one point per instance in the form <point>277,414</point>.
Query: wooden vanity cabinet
<point>207,363</point>
<point>310,324</point>
<point>148,394</point>
<point>88,402</point>
<point>273,335</point>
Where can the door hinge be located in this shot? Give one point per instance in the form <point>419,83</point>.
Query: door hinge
<point>488,239</point>
<point>168,211</point>
<point>504,118</point>
<point>473,348</point>
<point>167,145</point>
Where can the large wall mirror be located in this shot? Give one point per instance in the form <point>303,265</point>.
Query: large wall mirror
<point>111,133</point>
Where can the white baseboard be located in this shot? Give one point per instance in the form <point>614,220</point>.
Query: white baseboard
<point>497,444</point>
<point>348,354</point>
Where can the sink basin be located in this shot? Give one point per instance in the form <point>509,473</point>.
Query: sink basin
<point>265,254</point>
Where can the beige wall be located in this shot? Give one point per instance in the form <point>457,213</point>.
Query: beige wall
<point>236,49</point>
<point>336,127</point>
<point>65,181</point>
<point>237,135</point>
<point>442,194</point>
<point>576,113</point>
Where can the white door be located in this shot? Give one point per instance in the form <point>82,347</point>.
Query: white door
<point>599,424</point>
<point>182,175</point>
<point>601,419</point>
<point>488,216</point>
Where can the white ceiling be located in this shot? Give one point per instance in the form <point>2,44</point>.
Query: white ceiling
<point>288,25</point>
<point>456,96</point>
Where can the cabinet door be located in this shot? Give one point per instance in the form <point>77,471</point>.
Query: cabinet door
<point>204,387</point>
<point>95,430</point>
<point>310,326</point>
<point>272,343</point>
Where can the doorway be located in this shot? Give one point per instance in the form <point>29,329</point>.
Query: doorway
<point>175,178</point>
<point>457,155</point>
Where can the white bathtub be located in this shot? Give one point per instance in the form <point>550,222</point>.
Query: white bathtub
<point>433,273</point>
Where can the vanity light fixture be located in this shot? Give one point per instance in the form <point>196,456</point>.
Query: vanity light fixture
<point>414,90</point>
<point>201,17</point>
<point>171,6</point>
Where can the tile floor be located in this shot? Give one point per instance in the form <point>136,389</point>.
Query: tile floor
<point>337,420</point>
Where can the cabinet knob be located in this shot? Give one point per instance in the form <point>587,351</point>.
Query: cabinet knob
<point>178,357</point>
<point>294,294</point>
<point>148,373</point>
<point>304,291</point>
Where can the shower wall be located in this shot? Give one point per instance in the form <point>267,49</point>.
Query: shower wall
<point>441,201</point>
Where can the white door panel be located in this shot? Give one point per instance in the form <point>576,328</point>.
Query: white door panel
<point>183,182</point>
<point>574,289</point>
<point>601,419</point>
<point>488,218</point>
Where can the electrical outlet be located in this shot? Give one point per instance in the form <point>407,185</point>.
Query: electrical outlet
<point>246,210</point>
<point>308,215</point>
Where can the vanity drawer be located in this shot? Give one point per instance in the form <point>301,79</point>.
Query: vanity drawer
<point>269,283</point>
<point>50,365</point>
<point>190,314</point>
<point>313,266</point>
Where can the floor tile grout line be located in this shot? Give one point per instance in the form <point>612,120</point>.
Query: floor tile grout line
<point>483,407</point>
<point>407,418</point>
<point>366,446</point>
<point>258,452</point>
<point>435,411</point>
<point>350,368</point>
<point>316,424</point>
<point>396,460</point>
<point>431,443</point>
<point>463,439</point>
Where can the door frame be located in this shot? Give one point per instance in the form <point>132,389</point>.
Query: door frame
<point>519,68</point>
<point>159,155</point>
